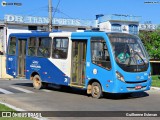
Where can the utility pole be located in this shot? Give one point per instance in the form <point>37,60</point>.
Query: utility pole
<point>50,8</point>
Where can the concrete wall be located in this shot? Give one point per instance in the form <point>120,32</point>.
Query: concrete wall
<point>1,47</point>
<point>3,73</point>
<point>1,39</point>
<point>105,26</point>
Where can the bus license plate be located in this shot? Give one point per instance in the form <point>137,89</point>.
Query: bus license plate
<point>138,87</point>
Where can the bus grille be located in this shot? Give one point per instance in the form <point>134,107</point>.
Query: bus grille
<point>135,82</point>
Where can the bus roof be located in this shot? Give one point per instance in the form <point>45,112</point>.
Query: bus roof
<point>87,34</point>
<point>32,34</point>
<point>76,34</point>
<point>62,34</point>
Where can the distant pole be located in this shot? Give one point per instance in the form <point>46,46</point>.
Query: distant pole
<point>50,14</point>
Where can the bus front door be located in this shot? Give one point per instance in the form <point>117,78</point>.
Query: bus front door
<point>21,57</point>
<point>78,63</point>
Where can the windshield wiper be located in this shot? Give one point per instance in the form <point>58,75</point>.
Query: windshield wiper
<point>132,56</point>
<point>139,56</point>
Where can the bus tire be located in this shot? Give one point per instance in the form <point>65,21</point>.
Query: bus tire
<point>37,83</point>
<point>96,90</point>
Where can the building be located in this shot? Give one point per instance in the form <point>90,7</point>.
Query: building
<point>18,23</point>
<point>1,36</point>
<point>108,23</point>
<point>119,23</point>
<point>148,27</point>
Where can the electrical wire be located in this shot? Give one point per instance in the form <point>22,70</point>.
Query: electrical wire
<point>56,8</point>
<point>45,9</point>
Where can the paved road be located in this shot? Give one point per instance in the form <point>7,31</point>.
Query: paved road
<point>21,94</point>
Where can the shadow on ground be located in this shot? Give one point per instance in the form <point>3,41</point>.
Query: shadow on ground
<point>71,90</point>
<point>24,84</point>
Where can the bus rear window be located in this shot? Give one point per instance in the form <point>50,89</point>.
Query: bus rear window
<point>12,46</point>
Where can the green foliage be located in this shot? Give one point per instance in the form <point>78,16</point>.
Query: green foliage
<point>156,81</point>
<point>151,40</point>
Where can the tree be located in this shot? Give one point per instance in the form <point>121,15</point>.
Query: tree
<point>151,40</point>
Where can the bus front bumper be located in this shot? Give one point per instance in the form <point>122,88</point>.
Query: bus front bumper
<point>123,87</point>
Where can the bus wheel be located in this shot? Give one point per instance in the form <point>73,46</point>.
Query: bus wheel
<point>37,83</point>
<point>96,90</point>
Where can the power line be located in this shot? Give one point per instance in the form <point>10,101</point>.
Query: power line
<point>33,12</point>
<point>58,11</point>
<point>56,8</point>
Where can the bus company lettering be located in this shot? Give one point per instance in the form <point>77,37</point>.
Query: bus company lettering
<point>35,65</point>
<point>43,20</point>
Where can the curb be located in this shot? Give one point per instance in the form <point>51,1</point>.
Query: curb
<point>155,88</point>
<point>11,106</point>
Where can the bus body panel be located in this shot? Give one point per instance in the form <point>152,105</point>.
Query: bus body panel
<point>94,72</point>
<point>58,71</point>
<point>11,65</point>
<point>133,80</point>
<point>64,64</point>
<point>104,77</point>
<point>12,60</point>
<point>107,78</point>
<point>48,72</point>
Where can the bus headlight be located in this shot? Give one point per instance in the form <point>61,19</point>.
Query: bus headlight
<point>119,76</point>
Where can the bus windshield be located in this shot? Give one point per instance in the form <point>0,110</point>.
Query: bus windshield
<point>129,52</point>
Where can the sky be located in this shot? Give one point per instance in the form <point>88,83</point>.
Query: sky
<point>149,10</point>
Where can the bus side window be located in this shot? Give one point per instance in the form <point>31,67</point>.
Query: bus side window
<point>12,46</point>
<point>44,45</point>
<point>32,47</point>
<point>60,48</point>
<point>100,54</point>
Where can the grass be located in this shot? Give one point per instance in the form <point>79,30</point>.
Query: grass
<point>155,80</point>
<point>4,108</point>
